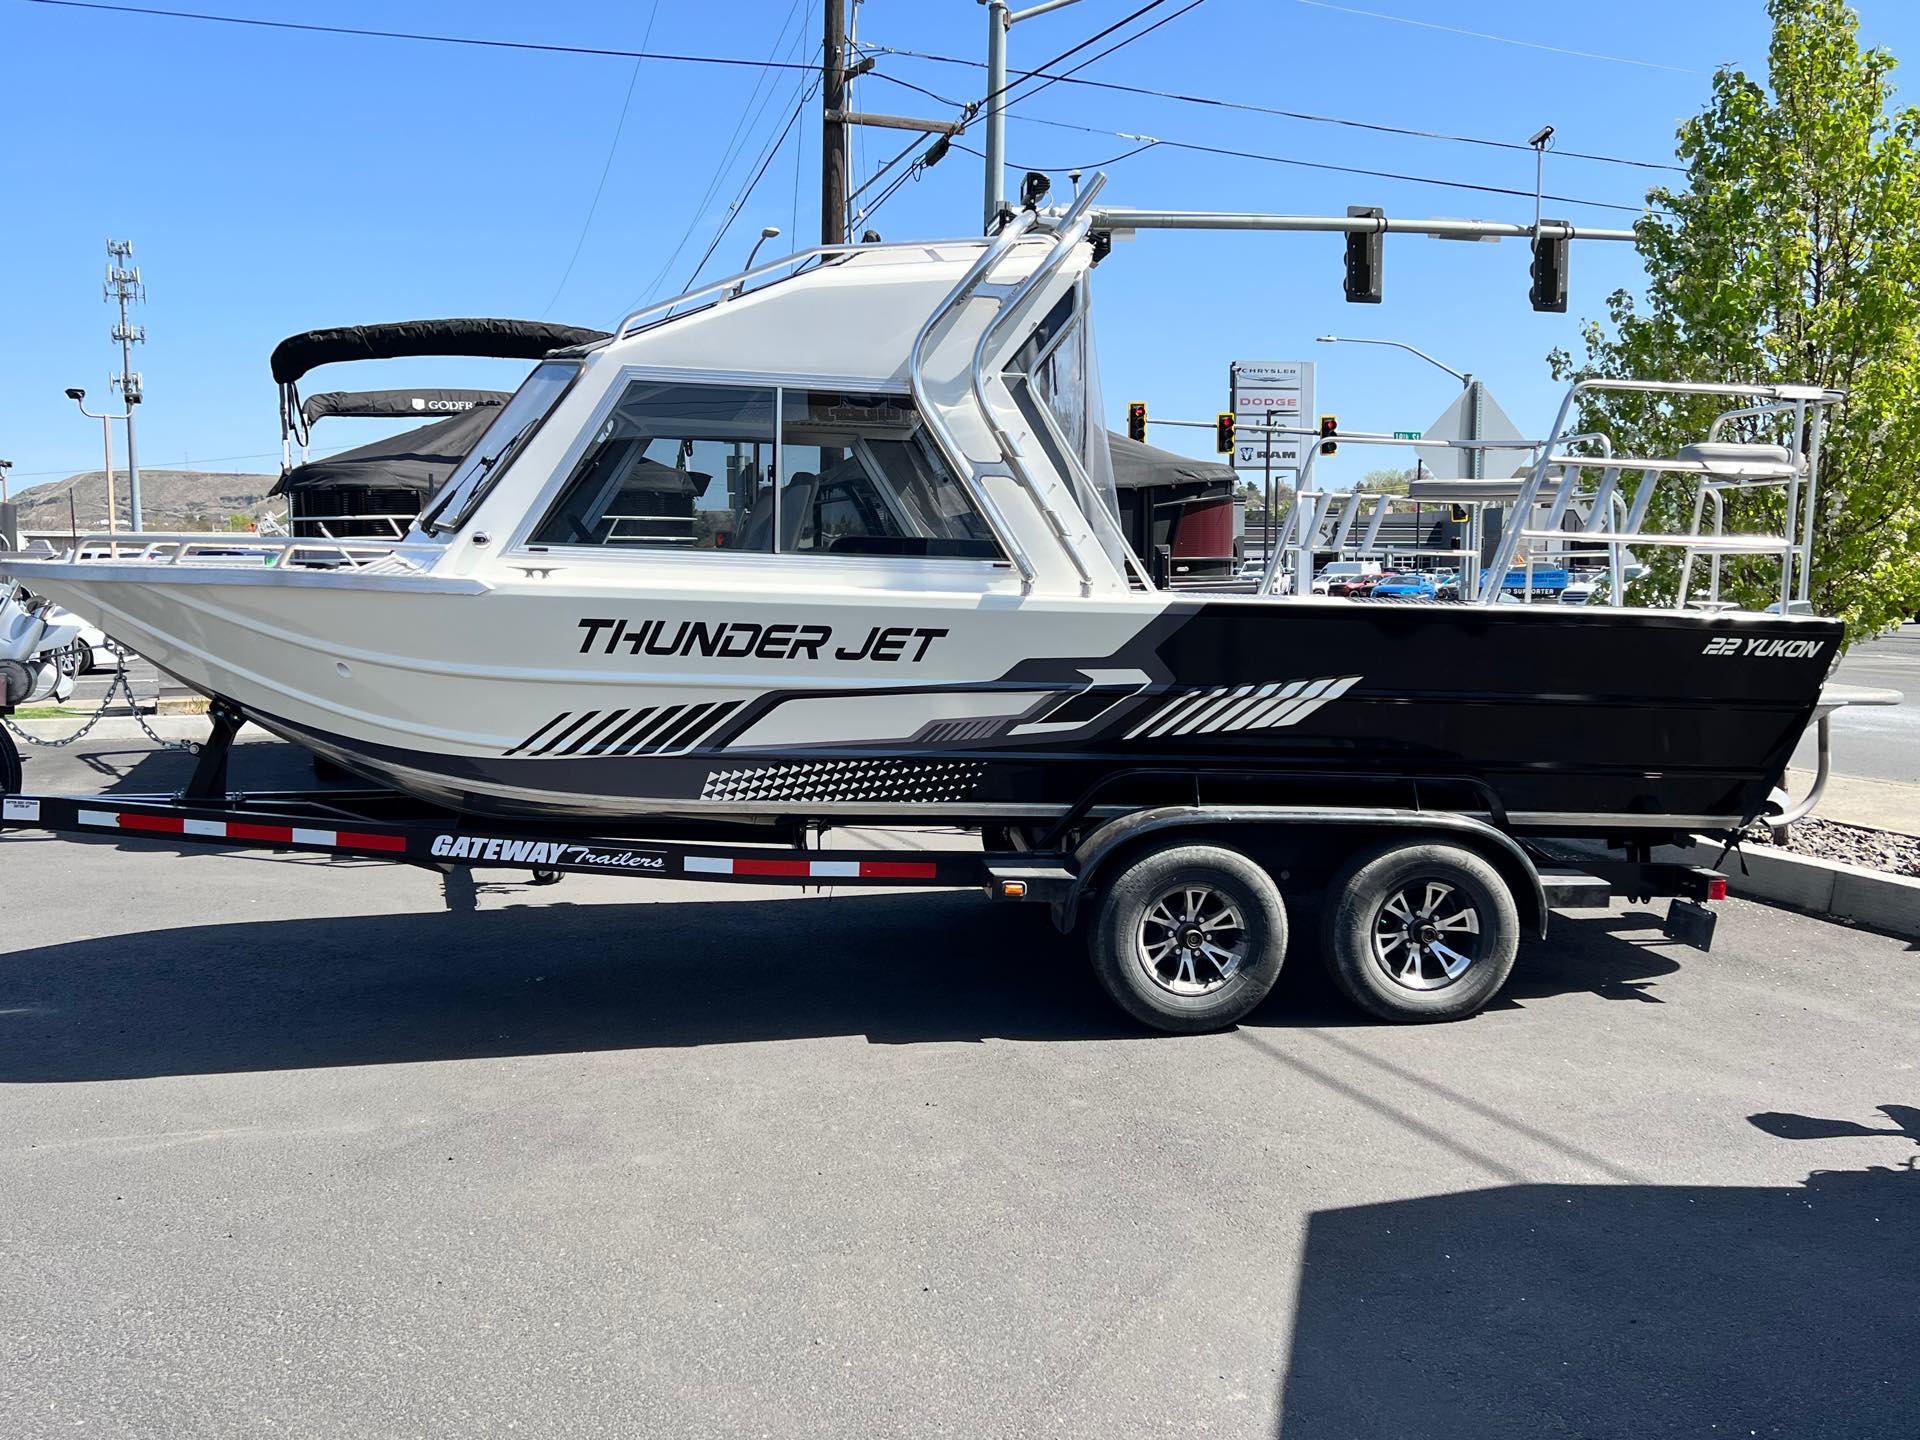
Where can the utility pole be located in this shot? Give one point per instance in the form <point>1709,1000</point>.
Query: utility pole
<point>833,126</point>
<point>123,287</point>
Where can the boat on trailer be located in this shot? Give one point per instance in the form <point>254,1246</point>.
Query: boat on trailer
<point>836,541</point>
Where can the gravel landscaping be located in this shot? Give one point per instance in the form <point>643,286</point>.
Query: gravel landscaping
<point>1854,844</point>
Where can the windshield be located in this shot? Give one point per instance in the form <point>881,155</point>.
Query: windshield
<point>512,428</point>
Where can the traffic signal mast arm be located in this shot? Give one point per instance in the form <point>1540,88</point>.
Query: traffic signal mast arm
<point>1111,218</point>
<point>1365,226</point>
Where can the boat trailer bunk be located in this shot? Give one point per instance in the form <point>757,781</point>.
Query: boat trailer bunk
<point>1185,904</point>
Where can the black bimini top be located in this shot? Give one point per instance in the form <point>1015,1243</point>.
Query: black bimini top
<point>417,460</point>
<point>501,339</point>
<point>423,402</point>
<point>1137,465</point>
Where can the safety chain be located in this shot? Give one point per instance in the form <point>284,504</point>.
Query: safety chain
<point>121,686</point>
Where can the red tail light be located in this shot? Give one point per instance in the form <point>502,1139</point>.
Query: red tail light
<point>1717,888</point>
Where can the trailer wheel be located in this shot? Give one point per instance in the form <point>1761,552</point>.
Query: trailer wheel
<point>1189,938</point>
<point>1421,932</point>
<point>10,779</point>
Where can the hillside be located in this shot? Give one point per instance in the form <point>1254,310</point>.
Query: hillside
<point>171,499</point>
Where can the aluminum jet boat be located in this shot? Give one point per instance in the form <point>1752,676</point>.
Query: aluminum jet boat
<point>837,537</point>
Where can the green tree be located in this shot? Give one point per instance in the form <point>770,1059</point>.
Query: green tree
<point>1256,497</point>
<point>1385,482</point>
<point>1791,255</point>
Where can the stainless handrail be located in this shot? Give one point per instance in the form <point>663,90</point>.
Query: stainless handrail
<point>937,426</point>
<point>1068,231</point>
<point>630,322</point>
<point>1795,398</point>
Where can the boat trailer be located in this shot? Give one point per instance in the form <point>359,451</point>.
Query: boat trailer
<point>1166,890</point>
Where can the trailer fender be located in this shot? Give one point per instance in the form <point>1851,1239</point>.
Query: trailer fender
<point>1098,850</point>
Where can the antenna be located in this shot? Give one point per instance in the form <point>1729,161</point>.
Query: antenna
<point>123,287</point>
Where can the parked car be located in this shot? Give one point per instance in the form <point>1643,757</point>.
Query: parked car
<point>93,651</point>
<point>1254,569</point>
<point>1406,585</point>
<point>1346,574</point>
<point>1594,587</point>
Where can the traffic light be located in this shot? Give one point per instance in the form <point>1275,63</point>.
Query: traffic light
<point>1329,427</point>
<point>1137,420</point>
<point>1549,272</point>
<point>1365,250</point>
<point>1223,432</point>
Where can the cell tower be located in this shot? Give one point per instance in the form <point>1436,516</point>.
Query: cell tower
<point>124,288</point>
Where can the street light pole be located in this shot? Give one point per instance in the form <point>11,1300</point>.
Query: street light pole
<point>1000,20</point>
<point>79,398</point>
<point>1476,457</point>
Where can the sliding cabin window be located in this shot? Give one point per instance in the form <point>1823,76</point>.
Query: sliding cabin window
<point>674,467</point>
<point>860,476</point>
<point>691,467</point>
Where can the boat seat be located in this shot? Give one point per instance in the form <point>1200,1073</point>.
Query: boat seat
<point>796,507</point>
<point>1745,464</point>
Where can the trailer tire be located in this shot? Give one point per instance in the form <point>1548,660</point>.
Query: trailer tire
<point>1189,938</point>
<point>1421,932</point>
<point>10,776</point>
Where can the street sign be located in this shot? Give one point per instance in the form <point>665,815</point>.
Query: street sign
<point>1407,435</point>
<point>1457,422</point>
<point>1270,392</point>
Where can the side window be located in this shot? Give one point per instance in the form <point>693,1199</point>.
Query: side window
<point>674,467</point>
<point>859,476</point>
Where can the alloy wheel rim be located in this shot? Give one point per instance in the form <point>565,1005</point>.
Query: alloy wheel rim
<point>1192,940</point>
<point>1427,934</point>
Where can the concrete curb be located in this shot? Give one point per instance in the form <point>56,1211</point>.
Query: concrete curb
<point>1830,888</point>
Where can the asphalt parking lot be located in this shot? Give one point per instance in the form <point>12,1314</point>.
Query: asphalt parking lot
<point>289,1146</point>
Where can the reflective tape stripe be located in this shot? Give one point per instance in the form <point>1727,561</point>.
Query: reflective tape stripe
<point>364,840</point>
<point>813,869</point>
<point>272,834</point>
<point>898,869</point>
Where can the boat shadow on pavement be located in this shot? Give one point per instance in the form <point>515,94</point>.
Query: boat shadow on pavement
<point>551,976</point>
<point>1618,1310</point>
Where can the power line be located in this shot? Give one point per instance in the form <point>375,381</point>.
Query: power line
<point>1500,39</point>
<point>426,36</point>
<point>969,111</point>
<point>1063,169</point>
<point>1117,45</point>
<point>749,116</point>
<point>1221,150</point>
<point>747,194</point>
<point>612,146</point>
<point>1217,102</point>
<point>70,473</point>
<point>1093,39</point>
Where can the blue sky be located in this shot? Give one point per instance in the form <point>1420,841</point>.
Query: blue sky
<point>276,181</point>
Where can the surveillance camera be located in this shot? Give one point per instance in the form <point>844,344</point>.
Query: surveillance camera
<point>1540,136</point>
<point>74,394</point>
